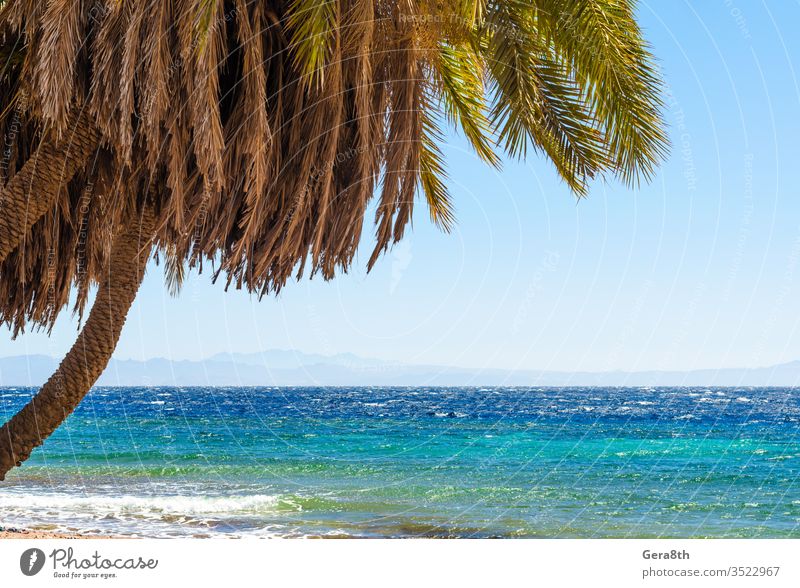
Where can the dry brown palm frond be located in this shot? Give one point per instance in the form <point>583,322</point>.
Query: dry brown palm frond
<point>261,130</point>
<point>62,37</point>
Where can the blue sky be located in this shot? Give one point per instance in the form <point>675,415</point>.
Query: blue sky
<point>697,269</point>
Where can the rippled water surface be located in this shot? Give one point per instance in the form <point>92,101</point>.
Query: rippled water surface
<point>395,462</point>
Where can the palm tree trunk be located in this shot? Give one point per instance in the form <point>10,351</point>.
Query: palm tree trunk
<point>33,189</point>
<point>91,352</point>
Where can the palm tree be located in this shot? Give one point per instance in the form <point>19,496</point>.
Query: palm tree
<point>253,135</point>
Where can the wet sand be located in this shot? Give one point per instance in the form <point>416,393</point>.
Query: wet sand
<point>15,533</point>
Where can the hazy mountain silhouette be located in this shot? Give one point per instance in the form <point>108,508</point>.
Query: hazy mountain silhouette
<point>294,368</point>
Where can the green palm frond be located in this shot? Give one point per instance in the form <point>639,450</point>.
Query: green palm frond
<point>536,102</point>
<point>432,173</point>
<point>467,12</point>
<point>459,73</point>
<point>601,42</point>
<point>313,25</point>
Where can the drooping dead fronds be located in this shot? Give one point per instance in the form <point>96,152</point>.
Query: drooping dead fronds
<point>260,130</point>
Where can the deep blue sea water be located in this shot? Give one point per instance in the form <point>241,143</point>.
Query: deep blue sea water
<point>429,462</point>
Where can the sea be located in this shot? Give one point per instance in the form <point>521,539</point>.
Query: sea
<point>415,462</point>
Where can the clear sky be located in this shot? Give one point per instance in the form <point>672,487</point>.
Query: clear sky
<point>698,269</point>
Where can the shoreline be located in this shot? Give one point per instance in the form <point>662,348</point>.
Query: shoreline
<point>17,533</point>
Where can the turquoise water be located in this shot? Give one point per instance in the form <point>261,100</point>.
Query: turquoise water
<point>429,462</point>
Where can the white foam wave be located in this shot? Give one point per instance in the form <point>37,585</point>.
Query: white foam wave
<point>107,505</point>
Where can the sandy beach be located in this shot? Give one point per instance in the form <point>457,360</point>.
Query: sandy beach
<point>15,533</point>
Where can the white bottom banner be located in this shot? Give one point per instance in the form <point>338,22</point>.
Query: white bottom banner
<point>417,562</point>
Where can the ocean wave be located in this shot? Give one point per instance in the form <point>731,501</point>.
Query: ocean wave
<point>105,505</point>
<point>163,515</point>
<point>450,415</point>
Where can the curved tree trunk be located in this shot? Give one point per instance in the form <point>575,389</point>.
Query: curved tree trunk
<point>33,190</point>
<point>89,355</point>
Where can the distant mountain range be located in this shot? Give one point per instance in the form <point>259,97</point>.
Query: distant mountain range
<point>294,368</point>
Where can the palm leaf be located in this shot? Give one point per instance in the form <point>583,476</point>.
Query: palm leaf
<point>432,173</point>
<point>313,25</point>
<point>459,73</point>
<point>601,42</point>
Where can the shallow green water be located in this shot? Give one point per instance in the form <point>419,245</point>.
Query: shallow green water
<point>460,462</point>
